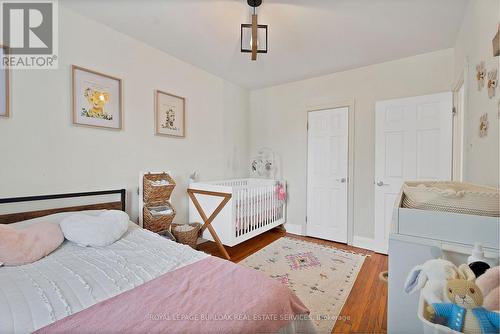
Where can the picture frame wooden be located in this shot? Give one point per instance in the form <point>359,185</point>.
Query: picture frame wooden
<point>496,43</point>
<point>97,99</point>
<point>170,115</point>
<point>4,85</point>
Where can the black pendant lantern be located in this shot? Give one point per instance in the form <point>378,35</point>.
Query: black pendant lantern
<point>254,35</point>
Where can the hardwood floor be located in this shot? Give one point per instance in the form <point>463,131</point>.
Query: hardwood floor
<point>247,248</point>
<point>365,310</point>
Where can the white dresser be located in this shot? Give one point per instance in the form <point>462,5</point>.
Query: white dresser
<point>419,235</point>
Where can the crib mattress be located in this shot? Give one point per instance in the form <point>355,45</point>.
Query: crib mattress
<point>456,197</point>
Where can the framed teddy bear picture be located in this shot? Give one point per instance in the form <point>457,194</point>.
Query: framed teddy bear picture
<point>97,99</point>
<point>170,115</point>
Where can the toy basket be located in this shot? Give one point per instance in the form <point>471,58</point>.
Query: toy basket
<point>157,188</point>
<point>189,237</point>
<point>158,218</point>
<point>428,326</point>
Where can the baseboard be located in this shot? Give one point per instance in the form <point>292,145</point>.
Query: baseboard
<point>294,229</point>
<point>369,243</point>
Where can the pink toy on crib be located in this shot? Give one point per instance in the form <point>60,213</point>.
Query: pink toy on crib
<point>280,189</point>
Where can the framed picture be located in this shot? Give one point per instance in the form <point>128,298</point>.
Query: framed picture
<point>170,115</point>
<point>97,99</point>
<point>4,85</point>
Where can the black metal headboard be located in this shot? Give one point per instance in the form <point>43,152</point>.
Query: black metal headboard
<point>15,217</point>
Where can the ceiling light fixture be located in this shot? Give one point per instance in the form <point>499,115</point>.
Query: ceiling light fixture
<point>254,34</point>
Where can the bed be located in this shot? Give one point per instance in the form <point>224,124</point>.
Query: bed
<point>141,283</point>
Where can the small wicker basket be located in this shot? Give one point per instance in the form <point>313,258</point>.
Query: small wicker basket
<point>157,188</point>
<point>190,237</point>
<point>157,222</point>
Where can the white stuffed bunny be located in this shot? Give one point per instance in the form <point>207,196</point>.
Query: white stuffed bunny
<point>431,278</point>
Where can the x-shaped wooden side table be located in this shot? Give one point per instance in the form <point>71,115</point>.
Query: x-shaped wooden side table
<point>208,221</point>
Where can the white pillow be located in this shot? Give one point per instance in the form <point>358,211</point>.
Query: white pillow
<point>55,218</point>
<point>97,231</point>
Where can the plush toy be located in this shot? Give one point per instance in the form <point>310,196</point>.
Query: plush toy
<point>466,272</point>
<point>479,267</point>
<point>464,313</point>
<point>489,283</point>
<point>431,278</point>
<point>280,190</point>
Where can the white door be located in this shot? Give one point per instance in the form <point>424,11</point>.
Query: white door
<point>327,173</point>
<point>413,140</point>
<point>458,134</point>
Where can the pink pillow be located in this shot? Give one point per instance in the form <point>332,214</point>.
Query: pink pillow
<point>22,246</point>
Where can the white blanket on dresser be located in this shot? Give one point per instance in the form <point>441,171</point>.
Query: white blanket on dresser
<point>74,278</point>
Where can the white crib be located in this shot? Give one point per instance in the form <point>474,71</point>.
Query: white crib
<point>254,207</point>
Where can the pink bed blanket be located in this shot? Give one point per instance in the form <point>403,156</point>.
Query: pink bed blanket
<point>209,296</point>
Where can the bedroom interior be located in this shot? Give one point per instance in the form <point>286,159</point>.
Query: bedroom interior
<point>250,166</point>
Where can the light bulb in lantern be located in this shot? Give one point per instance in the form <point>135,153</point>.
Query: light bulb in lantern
<point>251,42</point>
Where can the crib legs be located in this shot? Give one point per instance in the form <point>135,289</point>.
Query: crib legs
<point>208,221</point>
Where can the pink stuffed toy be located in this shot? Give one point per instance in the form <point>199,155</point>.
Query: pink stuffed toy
<point>489,284</point>
<point>281,192</point>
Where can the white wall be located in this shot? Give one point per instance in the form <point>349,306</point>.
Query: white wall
<point>473,46</point>
<point>42,152</point>
<point>278,120</point>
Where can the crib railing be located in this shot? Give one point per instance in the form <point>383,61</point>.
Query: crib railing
<point>233,183</point>
<point>255,208</point>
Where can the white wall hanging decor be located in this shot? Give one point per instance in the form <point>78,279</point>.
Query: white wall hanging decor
<point>265,164</point>
<point>483,125</point>
<point>492,83</point>
<point>480,75</point>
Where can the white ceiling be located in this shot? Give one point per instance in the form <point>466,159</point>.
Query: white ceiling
<point>306,37</point>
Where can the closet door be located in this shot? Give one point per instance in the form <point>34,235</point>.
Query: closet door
<point>327,172</point>
<point>413,141</point>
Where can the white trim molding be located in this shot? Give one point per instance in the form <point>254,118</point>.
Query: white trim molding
<point>294,229</point>
<point>369,243</point>
<point>459,122</point>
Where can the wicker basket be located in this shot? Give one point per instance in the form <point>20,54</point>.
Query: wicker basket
<point>457,197</point>
<point>157,222</point>
<point>155,192</point>
<point>189,238</point>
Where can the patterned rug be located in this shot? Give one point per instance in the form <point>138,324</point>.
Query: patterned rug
<point>322,277</point>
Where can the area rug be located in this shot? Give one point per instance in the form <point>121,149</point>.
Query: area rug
<point>322,277</point>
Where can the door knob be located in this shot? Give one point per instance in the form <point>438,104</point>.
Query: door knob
<point>381,183</point>
<point>342,180</point>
